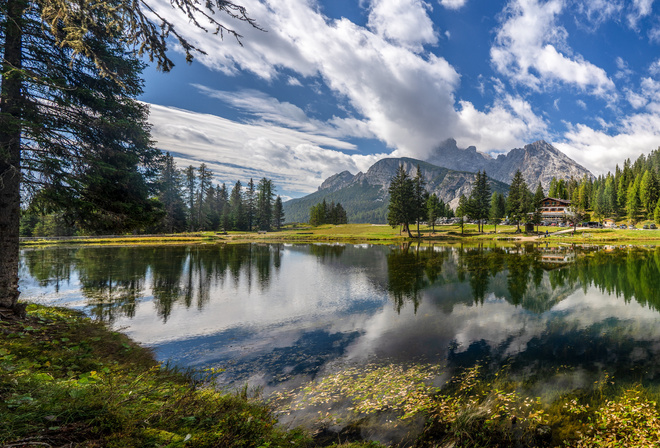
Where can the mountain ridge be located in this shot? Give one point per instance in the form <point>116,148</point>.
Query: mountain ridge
<point>448,172</point>
<point>537,161</point>
<point>365,196</point>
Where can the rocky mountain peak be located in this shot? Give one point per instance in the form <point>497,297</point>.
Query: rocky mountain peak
<point>337,181</point>
<point>538,161</point>
<point>540,146</point>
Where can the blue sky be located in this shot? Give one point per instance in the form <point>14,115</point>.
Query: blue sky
<point>336,85</point>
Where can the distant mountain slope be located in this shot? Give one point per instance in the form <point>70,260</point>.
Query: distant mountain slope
<point>365,196</point>
<point>538,161</point>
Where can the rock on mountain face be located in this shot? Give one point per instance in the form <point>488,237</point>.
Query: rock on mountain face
<point>365,196</point>
<point>337,181</point>
<point>538,161</point>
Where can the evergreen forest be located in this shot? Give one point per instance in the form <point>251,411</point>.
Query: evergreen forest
<point>183,200</point>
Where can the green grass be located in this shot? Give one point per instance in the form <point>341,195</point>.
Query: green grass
<point>378,234</point>
<point>65,380</point>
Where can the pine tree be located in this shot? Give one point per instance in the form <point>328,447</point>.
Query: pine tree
<point>538,195</point>
<point>278,213</point>
<point>190,188</point>
<point>599,204</point>
<point>433,210</point>
<point>479,202</point>
<point>60,64</point>
<point>497,209</point>
<point>342,217</point>
<point>611,203</point>
<point>648,192</point>
<point>250,204</point>
<point>204,179</point>
<point>264,203</point>
<point>552,192</point>
<point>212,212</point>
<point>170,196</point>
<point>462,210</point>
<point>633,203</point>
<point>518,200</point>
<point>419,198</point>
<point>237,207</point>
<point>401,209</point>
<point>223,207</point>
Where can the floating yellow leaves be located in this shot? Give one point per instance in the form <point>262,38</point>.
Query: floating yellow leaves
<point>370,389</point>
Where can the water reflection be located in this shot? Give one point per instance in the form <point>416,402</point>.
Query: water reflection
<point>277,313</point>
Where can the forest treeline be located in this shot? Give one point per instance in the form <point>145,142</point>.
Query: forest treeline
<point>184,200</point>
<point>630,192</point>
<point>324,213</point>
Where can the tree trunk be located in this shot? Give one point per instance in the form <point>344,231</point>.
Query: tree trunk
<point>407,229</point>
<point>10,154</point>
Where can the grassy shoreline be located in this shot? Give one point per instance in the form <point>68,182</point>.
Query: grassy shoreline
<point>68,381</point>
<point>374,234</point>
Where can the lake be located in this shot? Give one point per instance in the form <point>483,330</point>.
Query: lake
<point>278,316</point>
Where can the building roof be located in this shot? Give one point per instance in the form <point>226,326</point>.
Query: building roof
<point>563,201</point>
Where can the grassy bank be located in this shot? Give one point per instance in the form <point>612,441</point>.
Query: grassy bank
<point>67,381</point>
<point>376,234</point>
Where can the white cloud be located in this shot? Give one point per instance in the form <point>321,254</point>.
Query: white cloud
<point>654,34</point>
<point>404,98</point>
<point>453,4</point>
<point>405,22</point>
<point>272,111</point>
<point>236,151</point>
<point>636,100</point>
<point>581,104</point>
<point>526,50</point>
<point>293,82</point>
<point>601,151</point>
<point>654,68</point>
<point>624,70</point>
<point>598,12</point>
<point>510,123</point>
<point>640,9</point>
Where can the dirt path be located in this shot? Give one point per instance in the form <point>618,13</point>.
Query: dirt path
<point>558,232</point>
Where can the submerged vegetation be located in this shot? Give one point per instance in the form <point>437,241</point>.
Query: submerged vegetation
<point>67,380</point>
<point>478,408</point>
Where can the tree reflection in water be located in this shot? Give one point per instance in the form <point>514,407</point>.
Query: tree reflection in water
<point>114,280</point>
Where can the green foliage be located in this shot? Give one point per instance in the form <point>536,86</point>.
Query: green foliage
<point>480,199</point>
<point>633,202</point>
<point>89,152</point>
<point>518,200</point>
<point>362,203</point>
<point>65,379</point>
<point>402,207</point>
<point>174,219</point>
<point>435,208</point>
<point>278,213</point>
<point>324,213</point>
<point>265,193</point>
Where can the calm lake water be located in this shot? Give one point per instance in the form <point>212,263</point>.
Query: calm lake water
<point>279,315</point>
